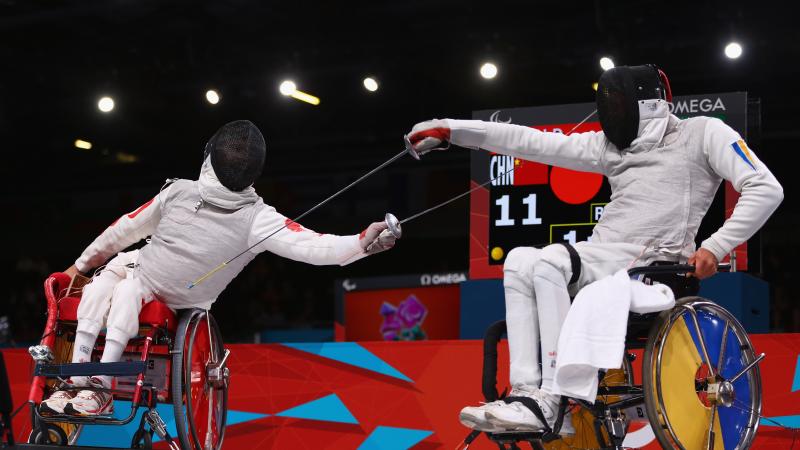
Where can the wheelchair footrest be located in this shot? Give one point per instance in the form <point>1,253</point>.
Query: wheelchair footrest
<point>515,436</point>
<point>116,369</point>
<point>84,420</point>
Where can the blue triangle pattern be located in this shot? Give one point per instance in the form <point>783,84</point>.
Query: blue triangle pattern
<point>113,436</point>
<point>392,438</point>
<point>350,353</point>
<point>235,417</point>
<point>328,409</point>
<point>796,380</point>
<point>781,421</point>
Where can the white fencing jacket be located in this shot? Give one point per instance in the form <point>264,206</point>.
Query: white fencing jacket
<point>195,226</point>
<point>661,187</point>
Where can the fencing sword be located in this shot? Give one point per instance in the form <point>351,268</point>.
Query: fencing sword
<point>409,149</point>
<point>395,226</point>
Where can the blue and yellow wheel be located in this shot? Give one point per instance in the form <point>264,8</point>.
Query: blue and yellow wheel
<point>692,354</point>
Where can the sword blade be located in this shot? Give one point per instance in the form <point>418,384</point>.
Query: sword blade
<point>463,194</point>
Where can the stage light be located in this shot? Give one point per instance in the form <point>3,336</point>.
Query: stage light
<point>594,85</point>
<point>126,158</point>
<point>488,70</point>
<point>105,104</point>
<point>606,63</point>
<point>733,50</point>
<point>370,84</point>
<point>305,97</point>
<point>84,145</point>
<point>212,96</point>
<point>287,87</point>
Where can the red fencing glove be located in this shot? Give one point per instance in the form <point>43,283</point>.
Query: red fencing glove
<point>430,135</point>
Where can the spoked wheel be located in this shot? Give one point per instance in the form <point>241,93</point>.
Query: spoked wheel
<point>701,379</point>
<point>584,421</point>
<point>48,434</point>
<point>199,382</point>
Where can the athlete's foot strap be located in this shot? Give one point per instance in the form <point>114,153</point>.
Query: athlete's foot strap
<point>562,408</point>
<point>535,409</point>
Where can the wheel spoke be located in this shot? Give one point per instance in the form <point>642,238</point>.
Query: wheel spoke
<point>710,436</point>
<point>748,367</point>
<point>700,338</point>
<point>722,348</point>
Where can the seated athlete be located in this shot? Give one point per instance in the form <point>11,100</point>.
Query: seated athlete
<point>663,173</point>
<point>194,225</point>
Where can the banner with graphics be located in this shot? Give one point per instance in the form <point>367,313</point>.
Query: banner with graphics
<point>536,204</point>
<point>390,395</point>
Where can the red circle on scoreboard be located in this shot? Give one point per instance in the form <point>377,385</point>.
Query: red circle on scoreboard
<point>574,187</point>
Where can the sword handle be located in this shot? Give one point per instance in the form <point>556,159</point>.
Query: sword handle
<point>394,228</point>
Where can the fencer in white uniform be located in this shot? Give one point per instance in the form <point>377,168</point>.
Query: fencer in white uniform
<point>193,225</point>
<point>663,173</point>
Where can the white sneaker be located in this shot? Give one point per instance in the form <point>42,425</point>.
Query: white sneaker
<point>56,403</point>
<point>90,402</point>
<point>475,416</point>
<point>517,417</point>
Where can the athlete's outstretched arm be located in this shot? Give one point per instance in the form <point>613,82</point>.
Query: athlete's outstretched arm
<point>577,151</point>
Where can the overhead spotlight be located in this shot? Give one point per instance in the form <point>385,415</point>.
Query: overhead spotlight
<point>212,96</point>
<point>606,63</point>
<point>105,104</point>
<point>488,70</point>
<point>733,50</point>
<point>84,145</point>
<point>370,84</point>
<point>287,87</point>
<point>305,97</point>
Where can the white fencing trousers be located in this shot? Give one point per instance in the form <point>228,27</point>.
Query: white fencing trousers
<point>114,300</point>
<point>538,299</point>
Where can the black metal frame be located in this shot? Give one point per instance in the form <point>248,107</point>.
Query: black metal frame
<point>148,394</point>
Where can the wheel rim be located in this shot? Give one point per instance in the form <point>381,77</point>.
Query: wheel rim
<point>683,403</point>
<point>205,405</point>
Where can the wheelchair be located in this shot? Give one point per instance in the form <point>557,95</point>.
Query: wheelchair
<point>175,358</point>
<point>700,386</point>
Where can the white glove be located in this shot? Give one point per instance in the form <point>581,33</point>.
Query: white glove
<point>430,135</point>
<point>376,238</point>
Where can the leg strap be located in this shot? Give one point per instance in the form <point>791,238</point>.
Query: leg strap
<point>575,261</point>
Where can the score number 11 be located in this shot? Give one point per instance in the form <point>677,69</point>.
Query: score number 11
<point>506,221</point>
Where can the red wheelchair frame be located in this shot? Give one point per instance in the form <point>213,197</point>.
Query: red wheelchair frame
<point>176,358</point>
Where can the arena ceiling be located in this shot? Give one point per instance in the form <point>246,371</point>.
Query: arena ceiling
<point>157,59</point>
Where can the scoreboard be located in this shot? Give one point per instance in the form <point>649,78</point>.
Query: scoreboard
<point>536,204</point>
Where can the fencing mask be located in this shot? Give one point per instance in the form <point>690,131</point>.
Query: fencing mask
<point>618,93</point>
<point>237,153</point>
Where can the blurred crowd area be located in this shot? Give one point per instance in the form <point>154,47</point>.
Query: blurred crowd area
<point>266,295</point>
<point>273,294</point>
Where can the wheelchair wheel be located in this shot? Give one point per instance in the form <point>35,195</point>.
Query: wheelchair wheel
<point>583,420</point>
<point>48,434</point>
<point>690,402</point>
<point>199,400</point>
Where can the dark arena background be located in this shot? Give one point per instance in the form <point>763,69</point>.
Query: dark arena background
<point>102,101</point>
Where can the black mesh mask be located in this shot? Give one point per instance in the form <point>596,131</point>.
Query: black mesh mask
<point>618,93</point>
<point>237,153</point>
